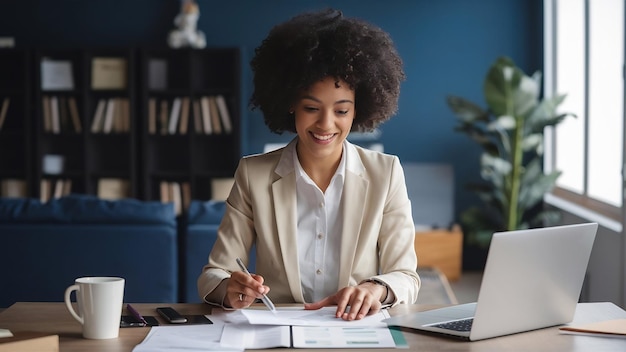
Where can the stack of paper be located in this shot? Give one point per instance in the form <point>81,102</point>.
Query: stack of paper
<point>259,329</point>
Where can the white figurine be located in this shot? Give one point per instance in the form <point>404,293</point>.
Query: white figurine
<point>186,21</point>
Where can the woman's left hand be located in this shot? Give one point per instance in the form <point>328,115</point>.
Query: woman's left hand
<point>353,302</point>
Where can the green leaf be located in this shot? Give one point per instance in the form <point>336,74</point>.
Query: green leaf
<point>545,114</point>
<point>479,136</point>
<point>498,87</point>
<point>526,95</point>
<point>465,110</point>
<point>532,171</point>
<point>533,141</point>
<point>533,193</point>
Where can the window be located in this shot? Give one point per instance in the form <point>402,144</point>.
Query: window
<point>584,58</point>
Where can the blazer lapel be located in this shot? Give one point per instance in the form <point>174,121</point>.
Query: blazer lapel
<point>284,199</point>
<point>353,204</point>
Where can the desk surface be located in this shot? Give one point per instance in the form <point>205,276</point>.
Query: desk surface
<point>54,318</point>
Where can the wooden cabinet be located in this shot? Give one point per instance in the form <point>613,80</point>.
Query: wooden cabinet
<point>441,249</point>
<point>16,178</point>
<point>190,108</point>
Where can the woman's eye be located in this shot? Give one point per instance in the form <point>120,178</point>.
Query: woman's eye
<point>342,112</point>
<point>310,108</point>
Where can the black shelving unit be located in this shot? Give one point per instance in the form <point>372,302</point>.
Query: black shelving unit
<point>52,112</point>
<point>194,157</point>
<point>88,155</point>
<point>15,125</point>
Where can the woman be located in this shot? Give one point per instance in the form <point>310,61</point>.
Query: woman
<point>331,221</point>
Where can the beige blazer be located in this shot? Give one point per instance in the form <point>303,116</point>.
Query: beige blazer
<point>378,230</point>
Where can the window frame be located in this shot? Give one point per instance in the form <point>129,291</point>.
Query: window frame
<point>581,204</point>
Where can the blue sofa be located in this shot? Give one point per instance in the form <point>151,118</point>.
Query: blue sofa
<point>45,246</point>
<point>197,238</point>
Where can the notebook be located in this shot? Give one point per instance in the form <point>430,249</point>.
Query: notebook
<point>532,279</point>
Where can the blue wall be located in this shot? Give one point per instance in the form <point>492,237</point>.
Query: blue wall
<point>447,47</point>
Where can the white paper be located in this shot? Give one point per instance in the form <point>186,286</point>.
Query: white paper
<point>232,331</point>
<point>242,336</point>
<point>203,337</point>
<point>342,337</point>
<point>321,317</point>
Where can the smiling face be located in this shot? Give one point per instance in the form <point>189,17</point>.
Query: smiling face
<point>324,114</point>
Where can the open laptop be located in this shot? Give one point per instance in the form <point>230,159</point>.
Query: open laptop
<point>532,279</point>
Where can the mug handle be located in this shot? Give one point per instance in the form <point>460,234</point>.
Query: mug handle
<point>68,302</point>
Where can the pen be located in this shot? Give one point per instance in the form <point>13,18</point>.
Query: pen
<point>265,299</point>
<point>136,314</point>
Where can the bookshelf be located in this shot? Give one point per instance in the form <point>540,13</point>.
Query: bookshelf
<point>79,121</point>
<point>190,111</point>
<point>73,152</point>
<point>16,177</point>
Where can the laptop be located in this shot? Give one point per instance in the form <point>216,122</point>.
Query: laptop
<point>532,280</point>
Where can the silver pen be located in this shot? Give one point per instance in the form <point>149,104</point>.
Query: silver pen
<point>265,299</point>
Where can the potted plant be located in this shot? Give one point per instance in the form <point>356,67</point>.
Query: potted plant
<point>510,131</point>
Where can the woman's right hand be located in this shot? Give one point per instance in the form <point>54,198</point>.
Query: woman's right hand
<point>243,289</point>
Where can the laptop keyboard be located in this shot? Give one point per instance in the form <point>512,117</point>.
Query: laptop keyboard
<point>458,325</point>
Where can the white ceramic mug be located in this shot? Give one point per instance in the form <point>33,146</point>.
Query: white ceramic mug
<point>100,302</point>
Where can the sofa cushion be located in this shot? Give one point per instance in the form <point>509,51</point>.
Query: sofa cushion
<point>198,238</point>
<point>47,258</point>
<point>209,212</point>
<point>86,209</point>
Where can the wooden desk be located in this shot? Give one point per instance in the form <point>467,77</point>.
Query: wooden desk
<point>54,318</point>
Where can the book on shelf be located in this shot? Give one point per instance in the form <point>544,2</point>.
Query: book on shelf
<point>3,110</point>
<point>118,116</point>
<point>185,189</point>
<point>73,108</point>
<point>63,114</point>
<point>45,190</point>
<point>197,117</point>
<point>13,188</point>
<point>125,106</point>
<point>184,116</point>
<point>67,187</point>
<point>56,74</point>
<point>174,116</point>
<point>215,116</point>
<point>108,73</point>
<point>152,111</point>
<point>224,114</point>
<point>47,120</point>
<point>98,116</point>
<point>220,187</point>
<point>58,188</point>
<point>22,341</point>
<point>163,117</point>
<point>176,197</point>
<point>157,74</point>
<point>54,115</point>
<point>206,115</point>
<point>109,116</point>
<point>164,189</point>
<point>113,188</point>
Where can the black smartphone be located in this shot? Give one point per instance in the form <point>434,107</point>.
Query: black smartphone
<point>171,315</point>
